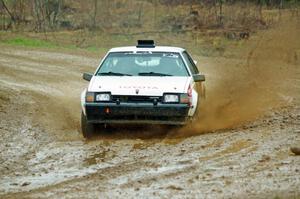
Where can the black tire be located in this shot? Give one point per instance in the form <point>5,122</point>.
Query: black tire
<point>87,128</point>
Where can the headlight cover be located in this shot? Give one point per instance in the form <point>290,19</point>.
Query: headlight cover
<point>90,97</point>
<point>102,97</point>
<point>171,98</point>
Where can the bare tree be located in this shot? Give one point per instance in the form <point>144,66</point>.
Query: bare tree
<point>221,15</point>
<point>12,17</point>
<point>37,15</point>
<point>219,11</point>
<point>52,11</point>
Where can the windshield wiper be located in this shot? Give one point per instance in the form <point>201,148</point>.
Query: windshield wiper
<point>113,74</point>
<point>153,74</point>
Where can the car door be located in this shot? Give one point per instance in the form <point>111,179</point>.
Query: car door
<point>199,86</point>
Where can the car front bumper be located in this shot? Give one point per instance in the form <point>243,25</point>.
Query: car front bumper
<point>136,113</point>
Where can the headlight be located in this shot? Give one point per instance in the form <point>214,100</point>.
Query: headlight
<point>97,97</point>
<point>102,97</point>
<point>171,98</point>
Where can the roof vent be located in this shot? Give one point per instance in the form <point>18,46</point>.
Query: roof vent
<point>145,44</point>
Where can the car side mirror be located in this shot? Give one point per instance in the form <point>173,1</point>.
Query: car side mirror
<point>199,77</point>
<point>195,62</point>
<point>87,76</point>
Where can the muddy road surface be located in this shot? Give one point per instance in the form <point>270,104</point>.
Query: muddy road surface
<point>239,147</point>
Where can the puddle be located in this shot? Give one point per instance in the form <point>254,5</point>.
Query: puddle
<point>233,148</point>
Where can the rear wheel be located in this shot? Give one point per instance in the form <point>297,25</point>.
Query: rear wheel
<point>87,128</point>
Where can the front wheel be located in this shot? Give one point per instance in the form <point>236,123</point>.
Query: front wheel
<point>87,128</point>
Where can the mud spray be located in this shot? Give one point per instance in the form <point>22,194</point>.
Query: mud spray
<point>257,79</point>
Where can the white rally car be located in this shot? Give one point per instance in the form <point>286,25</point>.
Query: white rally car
<point>142,84</point>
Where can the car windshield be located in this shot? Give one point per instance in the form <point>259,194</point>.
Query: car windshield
<point>143,64</point>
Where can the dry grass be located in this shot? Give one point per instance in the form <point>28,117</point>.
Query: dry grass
<point>125,22</point>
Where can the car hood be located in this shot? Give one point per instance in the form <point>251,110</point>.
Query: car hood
<point>138,85</point>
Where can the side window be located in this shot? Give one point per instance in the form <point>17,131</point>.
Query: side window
<point>190,63</point>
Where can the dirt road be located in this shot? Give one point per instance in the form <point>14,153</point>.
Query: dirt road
<point>240,147</point>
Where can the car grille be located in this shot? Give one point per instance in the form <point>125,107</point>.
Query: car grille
<point>136,99</point>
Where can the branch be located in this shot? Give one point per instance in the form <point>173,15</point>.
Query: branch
<point>9,13</point>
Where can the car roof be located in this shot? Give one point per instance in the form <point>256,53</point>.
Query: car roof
<point>152,49</point>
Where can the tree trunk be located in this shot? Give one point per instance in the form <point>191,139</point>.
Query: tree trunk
<point>221,12</point>
<point>260,2</point>
<point>95,13</point>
